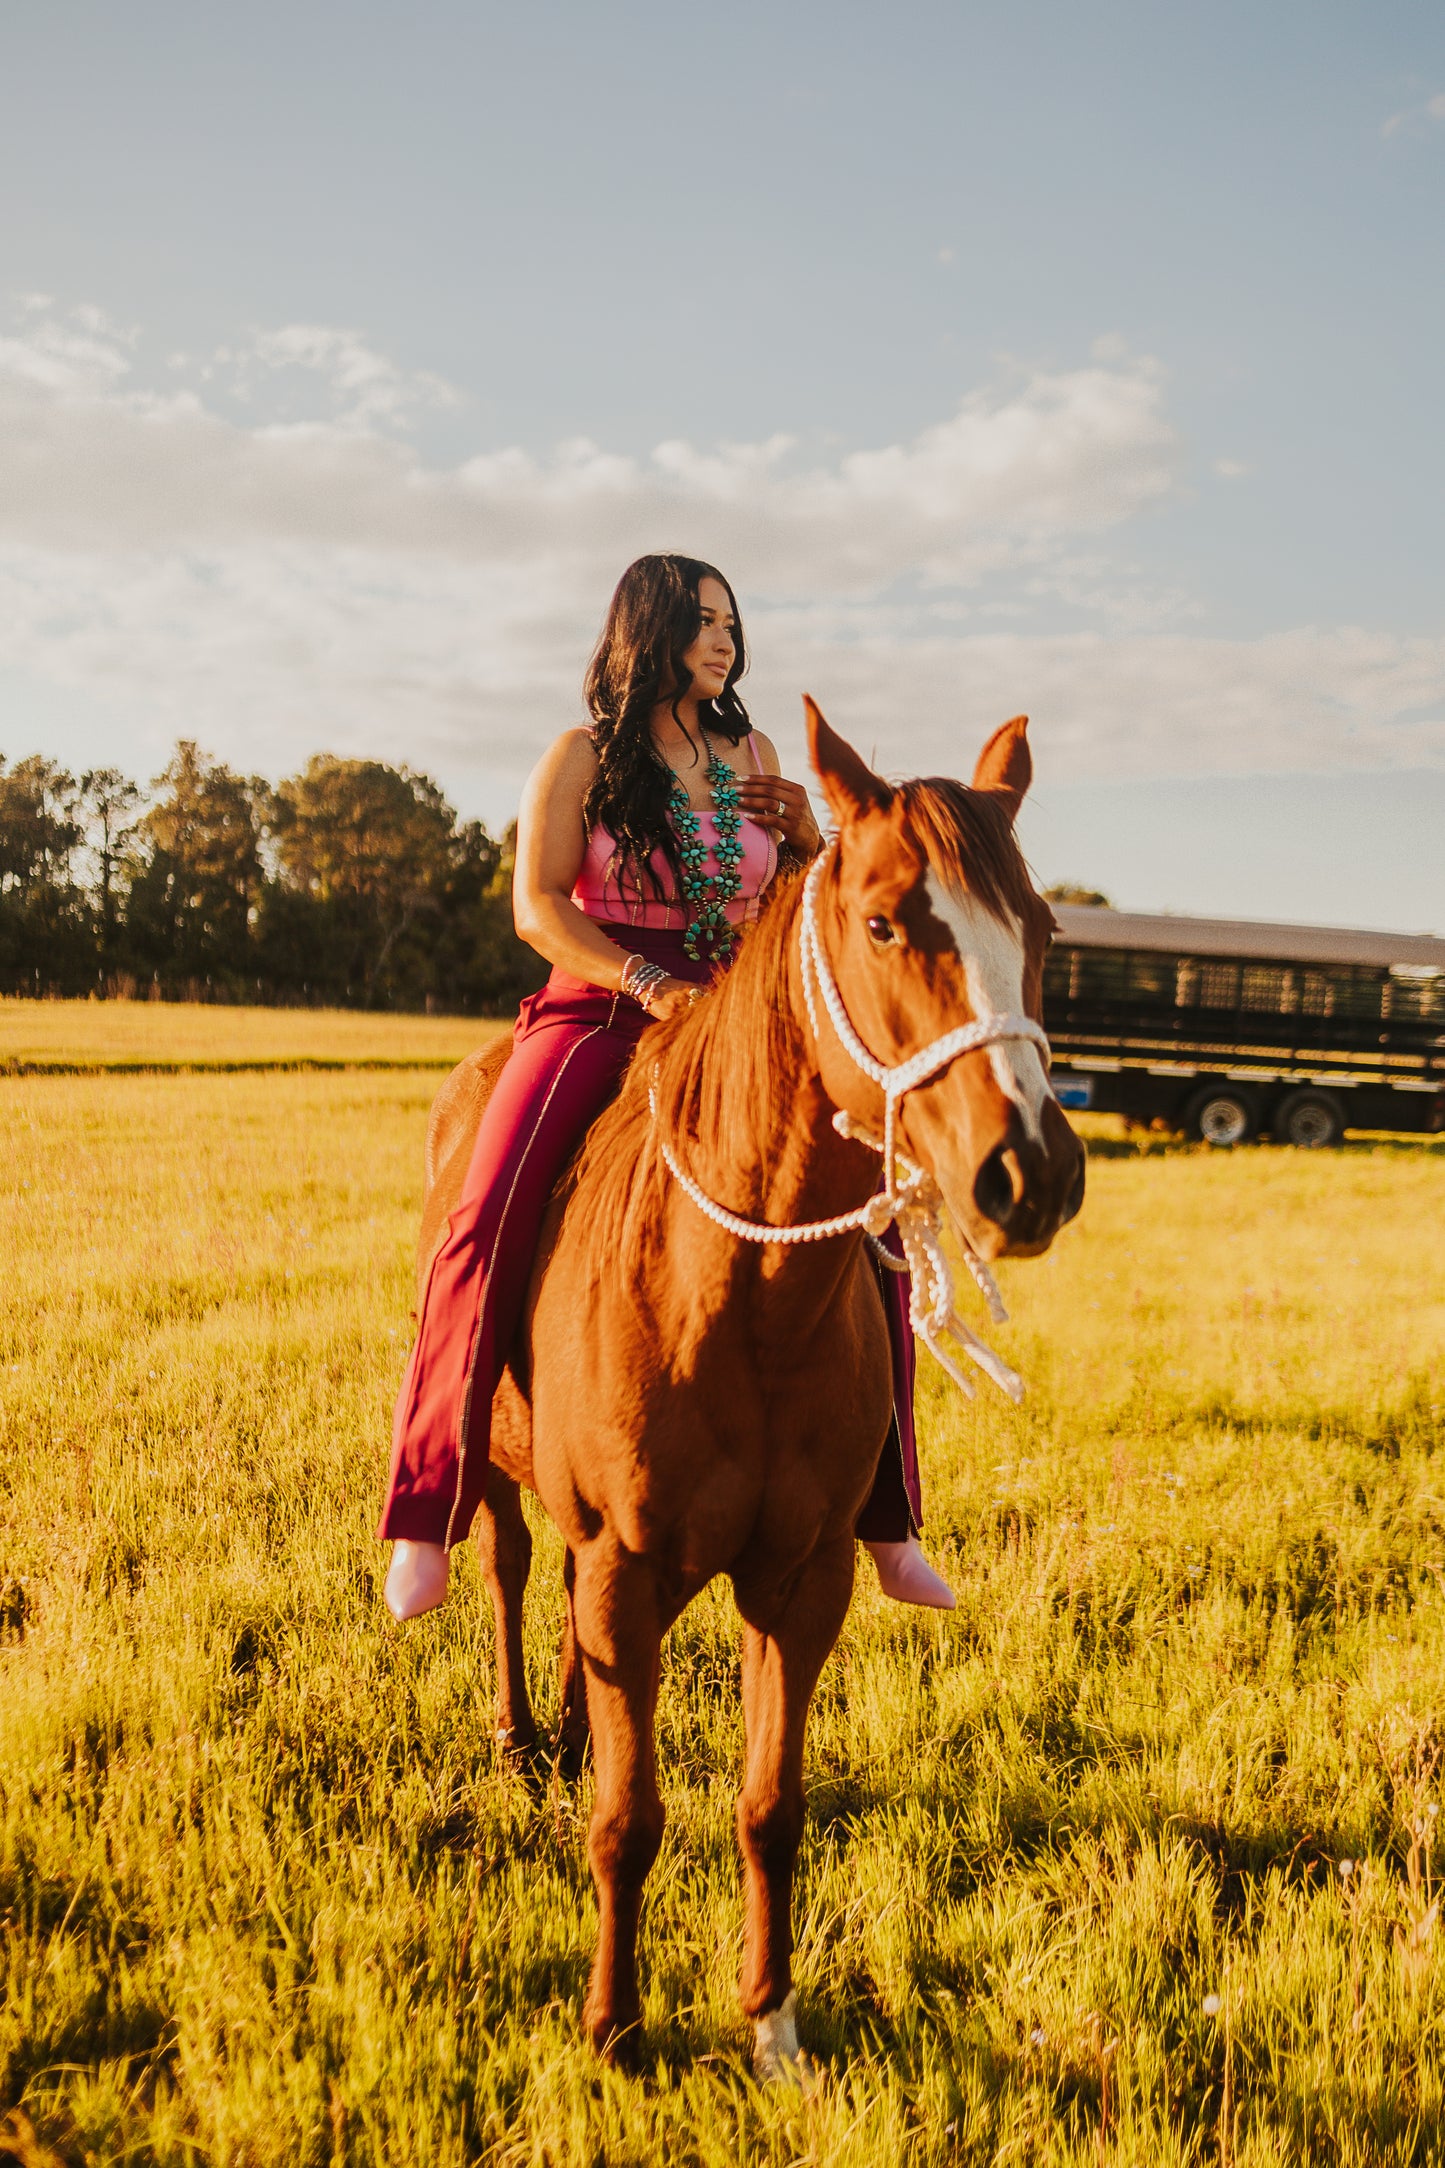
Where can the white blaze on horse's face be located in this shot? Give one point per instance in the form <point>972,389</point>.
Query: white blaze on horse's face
<point>992,952</point>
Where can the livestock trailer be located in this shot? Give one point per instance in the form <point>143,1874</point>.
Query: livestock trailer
<point>1228,1029</point>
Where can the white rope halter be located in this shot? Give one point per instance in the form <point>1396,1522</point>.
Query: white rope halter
<point>910,1198</point>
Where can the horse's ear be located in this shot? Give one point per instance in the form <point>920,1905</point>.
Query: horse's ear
<point>849,784</point>
<point>1006,765</point>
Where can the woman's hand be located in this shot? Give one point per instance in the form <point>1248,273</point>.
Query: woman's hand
<point>776,804</point>
<point>671,996</point>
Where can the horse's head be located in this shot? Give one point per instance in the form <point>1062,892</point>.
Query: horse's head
<point>930,921</point>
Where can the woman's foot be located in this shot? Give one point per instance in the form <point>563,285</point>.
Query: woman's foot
<point>416,1579</point>
<point>905,1575</point>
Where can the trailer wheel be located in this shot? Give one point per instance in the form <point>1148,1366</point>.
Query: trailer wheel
<point>1222,1115</point>
<point>1311,1120</point>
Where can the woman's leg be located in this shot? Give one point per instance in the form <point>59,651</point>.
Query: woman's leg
<point>889,1522</point>
<point>558,1078</point>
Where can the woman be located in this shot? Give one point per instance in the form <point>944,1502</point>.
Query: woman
<point>644,844</point>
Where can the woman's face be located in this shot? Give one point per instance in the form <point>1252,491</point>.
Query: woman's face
<point>711,655</point>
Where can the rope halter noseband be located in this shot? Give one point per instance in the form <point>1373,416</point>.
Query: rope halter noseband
<point>909,1198</point>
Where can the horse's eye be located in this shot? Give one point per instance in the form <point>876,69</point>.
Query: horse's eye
<point>880,931</point>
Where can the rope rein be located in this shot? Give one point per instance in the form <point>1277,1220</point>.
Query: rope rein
<point>910,1199</point>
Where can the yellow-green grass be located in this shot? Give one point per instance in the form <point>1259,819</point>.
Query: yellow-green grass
<point>265,1898</point>
<point>68,1036</point>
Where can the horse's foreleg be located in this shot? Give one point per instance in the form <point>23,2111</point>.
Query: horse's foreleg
<point>504,1551</point>
<point>619,1633</point>
<point>571,1682</point>
<point>785,1646</point>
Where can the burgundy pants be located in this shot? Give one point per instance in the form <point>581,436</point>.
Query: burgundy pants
<point>571,1044</point>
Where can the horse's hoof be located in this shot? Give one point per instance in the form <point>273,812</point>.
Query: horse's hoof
<point>616,2043</point>
<point>777,2057</point>
<point>572,1753</point>
<point>516,1748</point>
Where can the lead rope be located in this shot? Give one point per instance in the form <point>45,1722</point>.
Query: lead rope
<point>910,1198</point>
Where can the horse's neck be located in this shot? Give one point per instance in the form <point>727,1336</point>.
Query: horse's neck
<point>780,1160</point>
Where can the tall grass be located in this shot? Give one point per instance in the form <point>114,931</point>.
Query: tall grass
<point>1074,1851</point>
<point>117,1035</point>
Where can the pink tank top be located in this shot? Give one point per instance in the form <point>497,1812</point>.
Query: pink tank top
<point>614,895</point>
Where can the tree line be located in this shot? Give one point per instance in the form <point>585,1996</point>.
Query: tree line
<point>351,883</point>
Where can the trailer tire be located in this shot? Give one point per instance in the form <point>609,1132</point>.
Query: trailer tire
<point>1310,1120</point>
<point>1222,1115</point>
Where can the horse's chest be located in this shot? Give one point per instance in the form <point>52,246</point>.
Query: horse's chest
<point>687,1428</point>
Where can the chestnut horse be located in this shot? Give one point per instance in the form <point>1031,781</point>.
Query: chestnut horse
<point>685,1403</point>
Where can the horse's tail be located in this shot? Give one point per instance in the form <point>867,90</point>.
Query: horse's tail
<point>451,1132</point>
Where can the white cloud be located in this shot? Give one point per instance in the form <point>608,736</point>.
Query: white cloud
<point>59,356</point>
<point>273,585</point>
<point>1433,108</point>
<point>1150,704</point>
<point>367,389</point>
<point>1014,473</point>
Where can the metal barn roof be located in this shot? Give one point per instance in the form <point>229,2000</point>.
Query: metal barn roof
<point>1084,925</point>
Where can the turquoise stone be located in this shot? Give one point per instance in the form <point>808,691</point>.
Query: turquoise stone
<point>709,899</point>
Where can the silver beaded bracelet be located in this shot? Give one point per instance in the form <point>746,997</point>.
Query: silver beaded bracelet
<point>640,980</point>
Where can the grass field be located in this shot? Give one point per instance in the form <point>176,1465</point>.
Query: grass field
<point>80,1036</point>
<point>1072,1888</point>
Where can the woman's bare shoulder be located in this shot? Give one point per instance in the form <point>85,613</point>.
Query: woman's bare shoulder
<point>574,748</point>
<point>767,754</point>
<point>560,781</point>
<point>570,758</point>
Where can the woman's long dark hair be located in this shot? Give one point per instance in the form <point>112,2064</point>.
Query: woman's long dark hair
<point>653,619</point>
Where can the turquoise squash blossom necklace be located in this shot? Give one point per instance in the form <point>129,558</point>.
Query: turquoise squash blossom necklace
<point>707,900</point>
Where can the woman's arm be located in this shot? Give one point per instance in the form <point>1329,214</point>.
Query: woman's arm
<point>551,844</point>
<point>760,797</point>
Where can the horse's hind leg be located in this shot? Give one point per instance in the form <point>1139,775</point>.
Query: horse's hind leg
<point>784,1648</point>
<point>504,1550</point>
<point>572,1731</point>
<point>619,1630</point>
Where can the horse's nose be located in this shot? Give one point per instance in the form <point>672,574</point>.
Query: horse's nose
<point>998,1185</point>
<point>1031,1187</point>
<point>1075,1196</point>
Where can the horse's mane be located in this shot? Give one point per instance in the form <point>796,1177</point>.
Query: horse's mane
<point>968,840</point>
<point>715,1068</point>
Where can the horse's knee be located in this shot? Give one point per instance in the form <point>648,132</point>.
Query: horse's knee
<point>770,1829</point>
<point>503,1542</point>
<point>623,1843</point>
<point>515,1553</point>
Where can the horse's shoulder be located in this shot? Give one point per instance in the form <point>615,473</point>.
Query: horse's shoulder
<point>451,1129</point>
<point>458,1105</point>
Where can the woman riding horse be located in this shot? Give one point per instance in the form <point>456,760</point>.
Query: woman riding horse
<point>645,844</point>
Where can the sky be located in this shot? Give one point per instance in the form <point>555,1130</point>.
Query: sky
<point>1082,362</point>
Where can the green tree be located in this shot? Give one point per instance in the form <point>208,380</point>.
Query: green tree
<point>193,898</point>
<point>369,850</point>
<point>1071,892</point>
<point>44,930</point>
<point>352,881</point>
<point>109,803</point>
<point>488,967</point>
